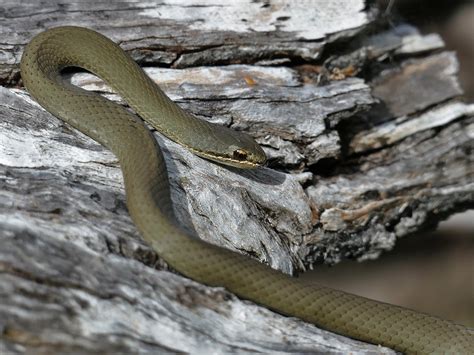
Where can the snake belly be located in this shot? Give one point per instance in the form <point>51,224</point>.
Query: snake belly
<point>149,203</point>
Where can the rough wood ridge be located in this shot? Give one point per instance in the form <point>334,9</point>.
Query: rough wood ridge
<point>367,134</point>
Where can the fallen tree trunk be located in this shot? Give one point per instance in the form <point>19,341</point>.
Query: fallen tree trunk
<point>367,138</point>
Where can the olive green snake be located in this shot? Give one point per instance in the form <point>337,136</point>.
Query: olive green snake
<point>148,193</point>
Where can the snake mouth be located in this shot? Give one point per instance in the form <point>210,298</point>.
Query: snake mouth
<point>234,161</point>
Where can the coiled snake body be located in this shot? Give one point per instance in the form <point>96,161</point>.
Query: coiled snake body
<point>148,197</point>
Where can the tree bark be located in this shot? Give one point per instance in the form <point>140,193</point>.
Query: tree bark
<point>362,120</point>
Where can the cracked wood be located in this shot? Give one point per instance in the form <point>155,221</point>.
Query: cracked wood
<point>359,157</point>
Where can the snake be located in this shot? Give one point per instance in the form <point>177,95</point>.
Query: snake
<point>149,203</point>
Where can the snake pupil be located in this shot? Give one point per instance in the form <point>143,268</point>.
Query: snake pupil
<point>240,154</point>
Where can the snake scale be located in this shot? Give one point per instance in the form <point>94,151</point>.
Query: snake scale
<point>148,195</point>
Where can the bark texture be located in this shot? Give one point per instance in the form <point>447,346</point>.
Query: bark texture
<point>368,141</point>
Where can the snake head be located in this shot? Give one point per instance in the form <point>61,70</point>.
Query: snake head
<point>244,152</point>
<point>230,147</point>
<point>243,158</point>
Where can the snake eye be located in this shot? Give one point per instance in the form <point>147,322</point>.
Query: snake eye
<point>240,154</point>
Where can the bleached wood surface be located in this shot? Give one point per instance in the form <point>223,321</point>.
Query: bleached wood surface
<point>368,142</point>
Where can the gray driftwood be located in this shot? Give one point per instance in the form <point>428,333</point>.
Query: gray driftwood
<point>367,138</point>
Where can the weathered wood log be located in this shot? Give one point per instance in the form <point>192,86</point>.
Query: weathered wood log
<point>367,138</point>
